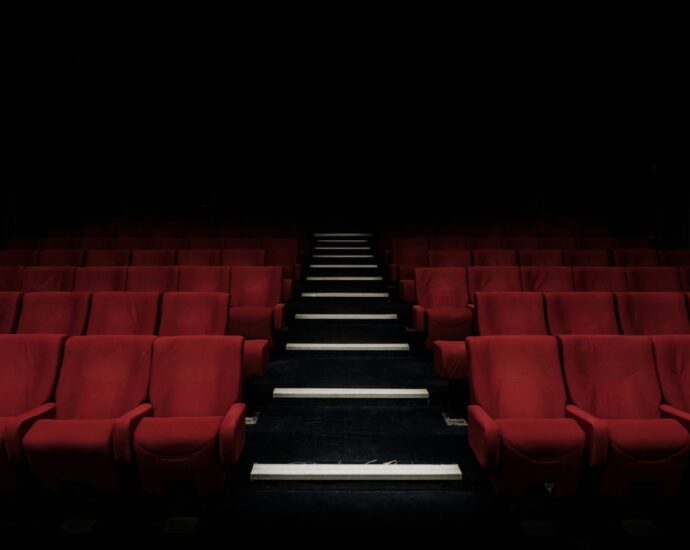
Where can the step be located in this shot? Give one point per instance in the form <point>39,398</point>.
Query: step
<point>346,316</point>
<point>342,248</point>
<point>342,234</point>
<point>343,256</point>
<point>344,266</point>
<point>345,278</point>
<point>342,240</point>
<point>345,295</point>
<point>356,472</point>
<point>342,346</point>
<point>350,393</point>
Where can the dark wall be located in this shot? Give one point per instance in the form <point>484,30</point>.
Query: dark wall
<point>263,109</point>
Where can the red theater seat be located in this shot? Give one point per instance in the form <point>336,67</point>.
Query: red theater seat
<point>204,279</point>
<point>54,313</point>
<point>547,279</point>
<point>107,258</point>
<point>10,278</point>
<point>616,399</point>
<point>450,258</point>
<point>256,309</point>
<point>600,279</point>
<point>54,279</point>
<point>406,254</point>
<point>448,243</point>
<point>18,257</point>
<point>153,257</point>
<point>94,279</point>
<point>496,278</point>
<point>587,258</point>
<point>652,313</point>
<point>581,313</point>
<point>28,369</point>
<point>152,279</point>
<point>124,313</point>
<point>540,258</point>
<point>194,313</point>
<point>241,242</point>
<point>486,257</point>
<point>197,430</point>
<point>243,257</point>
<point>510,313</point>
<point>659,279</point>
<point>61,257</point>
<point>198,256</point>
<point>517,425</point>
<point>99,401</point>
<point>10,304</point>
<point>441,309</point>
<point>680,258</point>
<point>644,257</point>
<point>672,354</point>
<point>284,252</point>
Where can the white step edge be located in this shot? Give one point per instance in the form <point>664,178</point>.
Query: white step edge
<point>341,240</point>
<point>350,393</point>
<point>344,266</point>
<point>347,316</point>
<point>342,234</point>
<point>356,472</point>
<point>343,256</point>
<point>345,278</point>
<point>342,248</point>
<point>345,295</point>
<point>323,346</point>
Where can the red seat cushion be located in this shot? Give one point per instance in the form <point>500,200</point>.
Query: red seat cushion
<point>542,438</point>
<point>647,439</point>
<point>178,436</point>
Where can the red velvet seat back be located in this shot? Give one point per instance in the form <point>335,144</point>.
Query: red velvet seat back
<point>47,279</point>
<point>547,279</point>
<point>198,256</point>
<point>490,257</point>
<point>10,278</point>
<point>516,376</point>
<point>152,279</point>
<point>124,313</point>
<point>496,278</point>
<point>96,279</point>
<point>597,257</point>
<point>242,242</point>
<point>675,257</point>
<point>600,279</point>
<point>636,257</point>
<point>196,375</point>
<point>652,313</point>
<point>153,257</point>
<point>204,279</point>
<point>510,313</point>
<point>69,257</point>
<point>540,257</point>
<point>107,258</point>
<point>29,365</point>
<point>441,287</point>
<point>256,286</point>
<point>103,376</point>
<point>611,376</point>
<point>672,356</point>
<point>54,313</point>
<point>244,257</point>
<point>281,251</point>
<point>581,313</point>
<point>450,258</point>
<point>18,257</point>
<point>194,313</point>
<point>410,251</point>
<point>653,279</point>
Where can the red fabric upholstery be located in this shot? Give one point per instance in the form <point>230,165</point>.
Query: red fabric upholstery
<point>212,243</point>
<point>484,279</point>
<point>198,256</point>
<point>256,286</point>
<point>547,279</point>
<point>10,278</point>
<point>204,279</point>
<point>675,257</point>
<point>510,313</point>
<point>660,279</point>
<point>54,312</point>
<point>600,279</point>
<point>447,243</point>
<point>194,313</point>
<point>18,257</point>
<point>489,257</point>
<point>635,257</point>
<point>450,359</point>
<point>96,279</point>
<point>10,303</point>
<point>450,258</point>
<point>517,425</point>
<point>55,279</point>
<point>252,322</point>
<point>521,243</point>
<point>581,313</point>
<point>243,257</point>
<point>242,242</point>
<point>61,257</point>
<point>133,313</point>
<point>106,258</point>
<point>540,257</point>
<point>613,385</point>
<point>255,359</point>
<point>195,385</point>
<point>485,243</point>
<point>587,258</point>
<point>152,279</point>
<point>102,378</point>
<point>672,357</point>
<point>153,257</point>
<point>652,313</point>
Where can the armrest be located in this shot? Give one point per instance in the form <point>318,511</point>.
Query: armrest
<point>596,430</point>
<point>254,359</point>
<point>418,318</point>
<point>407,290</point>
<point>279,316</point>
<point>232,434</point>
<point>286,293</point>
<point>484,435</point>
<point>298,272</point>
<point>668,411</point>
<point>123,430</point>
<point>17,427</point>
<point>394,272</point>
